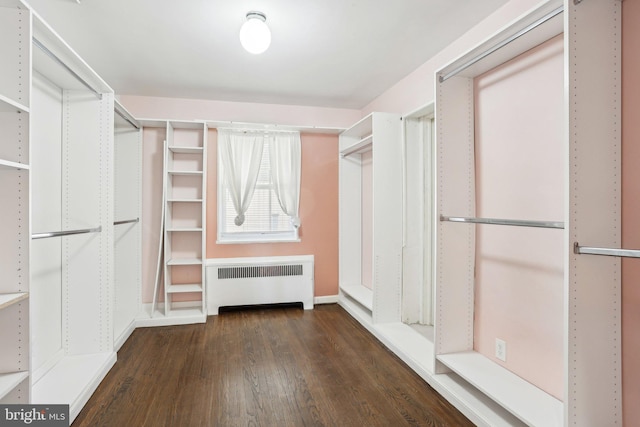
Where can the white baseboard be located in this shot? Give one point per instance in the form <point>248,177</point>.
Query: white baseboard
<point>124,336</point>
<point>329,299</point>
<point>183,313</point>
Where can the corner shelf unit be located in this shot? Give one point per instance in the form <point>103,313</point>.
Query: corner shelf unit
<point>185,220</point>
<point>592,287</point>
<point>370,212</point>
<point>15,182</point>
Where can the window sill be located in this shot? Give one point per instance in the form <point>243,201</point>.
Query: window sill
<point>229,241</point>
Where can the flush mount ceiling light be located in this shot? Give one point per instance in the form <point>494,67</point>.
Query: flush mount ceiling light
<point>255,36</point>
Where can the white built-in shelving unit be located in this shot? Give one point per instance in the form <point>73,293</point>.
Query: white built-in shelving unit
<point>15,178</point>
<point>370,235</point>
<point>185,220</point>
<point>485,391</point>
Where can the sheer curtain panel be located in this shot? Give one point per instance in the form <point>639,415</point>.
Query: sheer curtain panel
<point>285,155</point>
<point>241,153</point>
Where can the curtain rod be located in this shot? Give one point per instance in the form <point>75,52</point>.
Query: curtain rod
<point>51,55</point>
<point>65,233</point>
<point>501,44</point>
<point>511,222</point>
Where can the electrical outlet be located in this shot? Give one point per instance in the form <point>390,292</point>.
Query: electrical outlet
<point>501,349</point>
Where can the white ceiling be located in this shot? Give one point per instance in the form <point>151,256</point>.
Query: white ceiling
<point>331,53</point>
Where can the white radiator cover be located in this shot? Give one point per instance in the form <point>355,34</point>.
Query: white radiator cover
<point>259,280</point>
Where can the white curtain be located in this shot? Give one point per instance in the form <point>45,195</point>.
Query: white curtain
<point>285,155</point>
<point>241,154</point>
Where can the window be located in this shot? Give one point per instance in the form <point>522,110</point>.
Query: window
<point>264,219</point>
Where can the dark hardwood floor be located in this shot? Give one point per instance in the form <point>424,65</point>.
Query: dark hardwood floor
<point>264,367</point>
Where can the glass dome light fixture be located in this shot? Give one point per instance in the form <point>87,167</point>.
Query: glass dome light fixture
<point>255,36</point>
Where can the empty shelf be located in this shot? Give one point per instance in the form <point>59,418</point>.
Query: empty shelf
<point>186,150</point>
<point>9,105</point>
<point>360,293</point>
<point>186,288</point>
<point>10,381</point>
<point>186,173</point>
<point>190,229</point>
<point>12,165</point>
<point>359,147</point>
<point>526,401</point>
<point>184,200</point>
<point>184,261</point>
<point>9,299</point>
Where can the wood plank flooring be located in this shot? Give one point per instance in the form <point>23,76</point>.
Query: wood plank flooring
<point>264,367</point>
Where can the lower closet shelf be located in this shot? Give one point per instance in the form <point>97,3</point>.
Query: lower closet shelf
<point>178,316</point>
<point>8,382</point>
<point>360,293</point>
<point>526,401</point>
<point>72,381</point>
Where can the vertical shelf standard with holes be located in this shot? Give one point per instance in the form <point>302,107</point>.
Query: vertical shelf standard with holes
<point>184,227</point>
<point>15,45</point>
<point>370,234</point>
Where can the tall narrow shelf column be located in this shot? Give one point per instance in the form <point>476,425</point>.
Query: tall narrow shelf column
<point>185,220</point>
<point>15,208</point>
<point>370,218</point>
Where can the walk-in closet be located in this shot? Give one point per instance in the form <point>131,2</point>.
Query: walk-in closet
<point>471,212</point>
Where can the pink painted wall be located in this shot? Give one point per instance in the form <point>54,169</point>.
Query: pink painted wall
<point>520,175</point>
<point>631,211</point>
<point>200,109</point>
<point>318,212</point>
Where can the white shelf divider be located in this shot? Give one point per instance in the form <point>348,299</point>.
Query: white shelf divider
<point>364,145</point>
<point>7,300</point>
<point>186,288</point>
<point>10,381</point>
<point>184,200</point>
<point>13,165</point>
<point>73,380</point>
<point>526,401</point>
<point>360,293</point>
<point>186,173</point>
<point>184,261</point>
<point>186,150</point>
<point>8,105</point>
<point>186,229</point>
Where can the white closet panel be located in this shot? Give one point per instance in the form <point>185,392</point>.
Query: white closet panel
<point>46,193</point>
<point>87,203</point>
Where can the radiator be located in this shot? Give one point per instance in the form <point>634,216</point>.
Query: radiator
<point>264,280</point>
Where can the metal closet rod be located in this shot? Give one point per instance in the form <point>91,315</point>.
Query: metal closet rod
<point>501,44</point>
<point>66,233</point>
<point>121,114</point>
<point>52,55</point>
<point>126,221</point>
<point>590,250</point>
<point>497,221</point>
